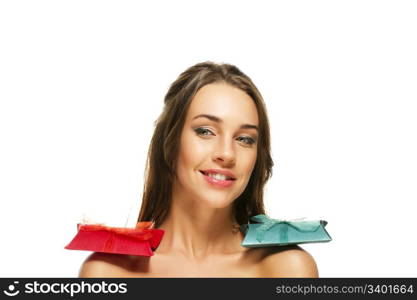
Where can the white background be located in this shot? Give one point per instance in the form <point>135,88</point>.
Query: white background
<point>81,83</point>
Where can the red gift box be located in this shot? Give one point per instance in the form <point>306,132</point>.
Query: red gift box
<point>141,240</point>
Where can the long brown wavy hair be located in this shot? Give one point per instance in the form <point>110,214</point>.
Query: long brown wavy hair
<point>163,150</point>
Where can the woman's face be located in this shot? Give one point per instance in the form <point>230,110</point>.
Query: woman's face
<point>218,146</point>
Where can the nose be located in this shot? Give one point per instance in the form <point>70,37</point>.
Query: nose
<point>225,153</point>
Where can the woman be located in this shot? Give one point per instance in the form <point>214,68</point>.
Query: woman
<point>208,162</point>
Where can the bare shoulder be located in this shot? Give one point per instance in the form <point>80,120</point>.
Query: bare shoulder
<point>106,265</point>
<point>288,261</point>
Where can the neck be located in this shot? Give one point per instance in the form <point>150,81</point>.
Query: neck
<point>197,232</point>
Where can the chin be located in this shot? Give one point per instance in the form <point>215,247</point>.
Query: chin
<point>216,201</point>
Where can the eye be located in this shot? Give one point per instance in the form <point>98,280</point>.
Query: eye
<point>203,131</point>
<point>246,140</point>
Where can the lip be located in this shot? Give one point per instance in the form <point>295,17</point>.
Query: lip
<point>218,183</point>
<point>219,171</point>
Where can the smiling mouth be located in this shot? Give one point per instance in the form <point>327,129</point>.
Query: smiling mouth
<point>217,176</point>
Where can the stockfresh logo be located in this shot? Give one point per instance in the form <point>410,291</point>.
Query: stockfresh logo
<point>12,290</point>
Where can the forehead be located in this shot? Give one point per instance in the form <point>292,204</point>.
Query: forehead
<point>224,101</point>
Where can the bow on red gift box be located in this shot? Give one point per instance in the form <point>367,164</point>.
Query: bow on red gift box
<point>141,240</point>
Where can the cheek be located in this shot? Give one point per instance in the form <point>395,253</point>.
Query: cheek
<point>250,159</point>
<point>191,154</point>
<point>248,163</point>
<point>183,161</point>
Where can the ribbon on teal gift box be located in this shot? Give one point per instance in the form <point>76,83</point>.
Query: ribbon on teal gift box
<point>276,232</point>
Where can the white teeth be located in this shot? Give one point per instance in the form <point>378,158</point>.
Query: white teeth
<point>217,176</point>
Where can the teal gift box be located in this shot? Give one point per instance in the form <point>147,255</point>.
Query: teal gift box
<point>271,232</point>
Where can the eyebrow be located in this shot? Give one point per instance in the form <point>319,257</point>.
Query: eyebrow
<point>218,120</point>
